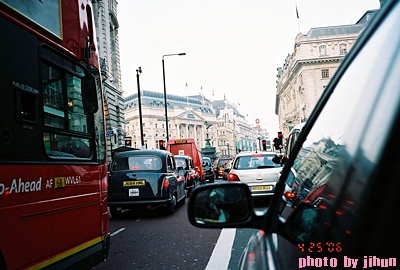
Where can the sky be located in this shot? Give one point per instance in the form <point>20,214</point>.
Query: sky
<point>233,47</point>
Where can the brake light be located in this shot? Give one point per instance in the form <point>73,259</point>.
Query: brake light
<point>165,183</point>
<point>233,177</point>
<point>289,195</point>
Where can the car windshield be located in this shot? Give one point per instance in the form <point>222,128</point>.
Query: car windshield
<point>137,163</point>
<point>181,162</point>
<point>223,162</point>
<point>254,162</point>
<point>206,162</point>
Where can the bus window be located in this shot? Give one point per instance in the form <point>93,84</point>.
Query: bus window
<point>64,112</point>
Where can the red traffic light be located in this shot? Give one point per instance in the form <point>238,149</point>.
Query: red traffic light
<point>264,145</point>
<point>161,145</point>
<point>280,135</point>
<point>128,142</point>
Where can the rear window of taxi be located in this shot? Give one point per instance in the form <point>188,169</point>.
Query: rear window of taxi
<point>134,163</point>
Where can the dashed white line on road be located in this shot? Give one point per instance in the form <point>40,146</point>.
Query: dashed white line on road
<point>117,232</point>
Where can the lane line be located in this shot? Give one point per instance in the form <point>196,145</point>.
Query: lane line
<point>222,251</point>
<point>117,232</point>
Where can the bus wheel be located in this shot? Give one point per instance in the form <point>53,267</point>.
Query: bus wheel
<point>116,212</point>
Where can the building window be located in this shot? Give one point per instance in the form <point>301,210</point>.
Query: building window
<point>343,48</point>
<point>322,50</point>
<point>325,73</point>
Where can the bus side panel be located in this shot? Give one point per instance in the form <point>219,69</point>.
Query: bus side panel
<point>50,209</point>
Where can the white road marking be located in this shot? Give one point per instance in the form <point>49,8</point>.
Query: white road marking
<point>117,232</point>
<point>222,251</point>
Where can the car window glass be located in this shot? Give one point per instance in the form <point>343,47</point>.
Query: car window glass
<point>137,163</point>
<point>322,165</point>
<point>182,162</point>
<point>170,164</point>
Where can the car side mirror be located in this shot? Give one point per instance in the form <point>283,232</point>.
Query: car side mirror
<point>301,225</point>
<point>227,204</point>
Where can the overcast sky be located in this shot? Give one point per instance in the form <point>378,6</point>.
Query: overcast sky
<point>233,47</point>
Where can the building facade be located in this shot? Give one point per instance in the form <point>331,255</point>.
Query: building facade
<point>307,71</point>
<point>106,22</point>
<point>187,118</point>
<point>233,133</point>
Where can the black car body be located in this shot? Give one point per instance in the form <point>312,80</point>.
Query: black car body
<point>221,167</point>
<point>207,165</point>
<point>187,171</point>
<point>144,178</point>
<point>347,168</point>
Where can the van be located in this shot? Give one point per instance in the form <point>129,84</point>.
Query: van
<point>188,147</point>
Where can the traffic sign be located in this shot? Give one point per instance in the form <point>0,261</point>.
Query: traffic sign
<point>109,133</point>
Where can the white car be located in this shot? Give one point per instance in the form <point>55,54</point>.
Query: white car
<point>258,171</point>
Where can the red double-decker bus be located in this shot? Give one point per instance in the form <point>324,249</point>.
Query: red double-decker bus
<point>53,171</point>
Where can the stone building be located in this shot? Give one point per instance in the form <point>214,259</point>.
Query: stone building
<point>307,71</point>
<point>187,118</point>
<point>106,22</point>
<point>233,133</point>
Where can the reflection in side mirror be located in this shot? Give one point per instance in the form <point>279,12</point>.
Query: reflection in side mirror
<point>89,94</point>
<point>301,226</point>
<point>223,204</point>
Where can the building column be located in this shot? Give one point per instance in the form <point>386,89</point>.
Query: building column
<point>195,132</point>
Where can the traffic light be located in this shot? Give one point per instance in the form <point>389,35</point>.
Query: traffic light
<point>264,145</point>
<point>161,145</point>
<point>128,142</point>
<point>279,140</point>
<point>276,144</point>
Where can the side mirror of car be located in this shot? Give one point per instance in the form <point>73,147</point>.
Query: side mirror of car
<point>225,205</point>
<point>301,225</point>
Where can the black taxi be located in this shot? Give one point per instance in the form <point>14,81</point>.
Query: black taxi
<point>144,179</point>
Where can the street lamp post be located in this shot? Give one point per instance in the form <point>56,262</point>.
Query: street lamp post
<point>139,70</point>
<point>165,91</point>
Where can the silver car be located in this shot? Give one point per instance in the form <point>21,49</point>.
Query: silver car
<point>257,170</point>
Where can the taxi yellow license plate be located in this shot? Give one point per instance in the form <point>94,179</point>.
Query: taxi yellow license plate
<point>134,183</point>
<point>261,188</point>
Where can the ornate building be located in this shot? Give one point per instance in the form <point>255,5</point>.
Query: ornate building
<point>106,22</point>
<point>307,71</point>
<point>233,133</point>
<point>187,118</point>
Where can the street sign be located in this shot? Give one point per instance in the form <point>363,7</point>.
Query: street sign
<point>109,133</point>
